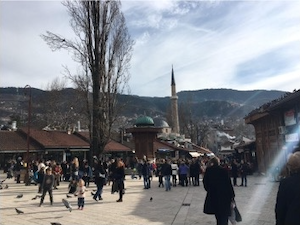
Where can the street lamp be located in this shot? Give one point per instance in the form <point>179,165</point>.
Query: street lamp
<point>26,179</point>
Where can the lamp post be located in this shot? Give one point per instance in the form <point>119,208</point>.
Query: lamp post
<point>26,179</point>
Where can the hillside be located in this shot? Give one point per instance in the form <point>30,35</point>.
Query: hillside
<point>209,103</point>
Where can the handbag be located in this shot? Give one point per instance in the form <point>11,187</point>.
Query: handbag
<point>102,175</point>
<point>238,217</point>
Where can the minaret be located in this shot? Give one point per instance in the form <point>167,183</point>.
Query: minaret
<point>174,105</point>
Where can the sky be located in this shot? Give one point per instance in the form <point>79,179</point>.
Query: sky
<point>241,45</point>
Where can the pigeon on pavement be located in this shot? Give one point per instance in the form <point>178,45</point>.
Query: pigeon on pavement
<point>151,199</point>
<point>67,204</point>
<point>6,187</point>
<point>34,198</point>
<point>19,196</point>
<point>19,211</point>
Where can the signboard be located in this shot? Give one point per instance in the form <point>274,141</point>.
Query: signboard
<point>290,117</point>
<point>292,137</point>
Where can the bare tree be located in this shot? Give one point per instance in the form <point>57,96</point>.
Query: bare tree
<point>60,112</point>
<point>104,46</point>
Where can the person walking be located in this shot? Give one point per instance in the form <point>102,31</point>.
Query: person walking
<point>100,176</point>
<point>146,175</point>
<point>118,177</point>
<point>175,168</point>
<point>167,172</point>
<point>159,173</point>
<point>87,173</point>
<point>287,208</point>
<point>183,174</point>
<point>234,171</point>
<point>244,169</point>
<point>41,174</point>
<point>220,193</point>
<point>75,169</point>
<point>47,185</point>
<point>17,169</point>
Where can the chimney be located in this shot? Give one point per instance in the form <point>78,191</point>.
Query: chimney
<point>14,125</point>
<point>121,136</point>
<point>78,126</point>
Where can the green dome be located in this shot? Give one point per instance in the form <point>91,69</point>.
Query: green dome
<point>144,121</point>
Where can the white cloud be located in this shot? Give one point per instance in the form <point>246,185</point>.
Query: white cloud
<point>206,54</point>
<point>207,42</point>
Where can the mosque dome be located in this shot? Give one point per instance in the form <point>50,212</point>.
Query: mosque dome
<point>158,122</point>
<point>144,121</point>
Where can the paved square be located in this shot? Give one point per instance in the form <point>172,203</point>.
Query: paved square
<point>180,206</point>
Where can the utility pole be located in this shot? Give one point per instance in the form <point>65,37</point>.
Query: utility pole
<point>26,179</point>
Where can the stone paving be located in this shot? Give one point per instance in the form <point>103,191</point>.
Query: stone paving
<point>180,206</point>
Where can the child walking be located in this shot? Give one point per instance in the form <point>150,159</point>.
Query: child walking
<point>81,193</point>
<point>47,185</point>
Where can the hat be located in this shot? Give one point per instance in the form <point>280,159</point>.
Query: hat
<point>294,162</point>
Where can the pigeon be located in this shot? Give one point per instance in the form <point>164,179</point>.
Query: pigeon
<point>68,196</point>
<point>19,211</point>
<point>67,204</point>
<point>151,199</point>
<point>6,187</point>
<point>37,196</point>
<point>19,196</point>
<point>55,223</point>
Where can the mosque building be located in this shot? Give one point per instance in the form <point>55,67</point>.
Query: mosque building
<point>154,138</point>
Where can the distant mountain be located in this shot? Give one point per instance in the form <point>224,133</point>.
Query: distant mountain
<point>201,103</point>
<point>255,97</point>
<point>216,102</point>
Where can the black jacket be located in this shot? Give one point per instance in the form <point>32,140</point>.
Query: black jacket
<point>166,169</point>
<point>48,182</point>
<point>287,208</point>
<point>99,172</point>
<point>219,189</point>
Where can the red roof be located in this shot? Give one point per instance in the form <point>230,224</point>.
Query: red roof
<point>55,139</point>
<point>113,146</point>
<point>16,141</point>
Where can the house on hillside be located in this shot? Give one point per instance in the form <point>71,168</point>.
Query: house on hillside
<point>277,130</point>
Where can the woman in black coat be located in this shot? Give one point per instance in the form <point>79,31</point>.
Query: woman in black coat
<point>100,176</point>
<point>287,207</point>
<point>118,178</point>
<point>220,192</point>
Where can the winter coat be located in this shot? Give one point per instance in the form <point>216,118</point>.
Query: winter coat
<point>287,208</point>
<point>48,182</point>
<point>219,189</point>
<point>166,169</point>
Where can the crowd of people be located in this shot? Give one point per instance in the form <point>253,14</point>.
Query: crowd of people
<point>170,172</point>
<point>186,172</point>
<point>218,177</point>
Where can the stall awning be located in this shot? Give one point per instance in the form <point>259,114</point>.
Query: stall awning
<point>194,154</point>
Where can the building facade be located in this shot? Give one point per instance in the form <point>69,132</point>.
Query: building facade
<point>277,131</point>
